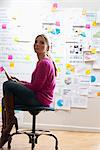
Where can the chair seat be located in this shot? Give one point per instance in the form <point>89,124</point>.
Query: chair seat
<point>30,108</point>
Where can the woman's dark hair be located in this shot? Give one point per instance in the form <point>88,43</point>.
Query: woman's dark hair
<point>47,42</point>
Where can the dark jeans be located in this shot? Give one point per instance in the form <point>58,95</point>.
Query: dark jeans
<point>22,95</point>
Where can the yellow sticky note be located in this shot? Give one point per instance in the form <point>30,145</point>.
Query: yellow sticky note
<point>57,60</point>
<point>16,39</point>
<point>88,71</point>
<point>27,57</point>
<point>93,50</point>
<point>12,64</point>
<point>72,69</point>
<point>68,65</point>
<point>58,69</point>
<point>49,29</point>
<point>0,109</point>
<point>94,23</point>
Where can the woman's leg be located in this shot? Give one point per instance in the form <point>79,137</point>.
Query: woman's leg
<point>22,95</point>
<point>8,119</point>
<point>15,94</point>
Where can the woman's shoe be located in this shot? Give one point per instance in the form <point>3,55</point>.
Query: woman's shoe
<point>10,125</point>
<point>4,138</point>
<point>6,132</point>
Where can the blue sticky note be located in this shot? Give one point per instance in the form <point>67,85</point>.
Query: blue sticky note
<point>60,102</point>
<point>93,78</point>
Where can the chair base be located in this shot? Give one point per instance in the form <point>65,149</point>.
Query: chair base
<point>33,137</point>
<point>33,134</point>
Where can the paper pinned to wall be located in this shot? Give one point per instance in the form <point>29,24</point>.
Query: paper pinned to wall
<point>79,101</point>
<point>96,64</point>
<point>94,91</point>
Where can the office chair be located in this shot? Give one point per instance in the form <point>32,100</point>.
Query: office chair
<point>33,134</point>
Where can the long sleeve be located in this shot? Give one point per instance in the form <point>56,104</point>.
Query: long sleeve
<point>39,76</point>
<point>43,81</point>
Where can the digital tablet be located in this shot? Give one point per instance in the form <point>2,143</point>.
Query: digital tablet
<point>7,74</point>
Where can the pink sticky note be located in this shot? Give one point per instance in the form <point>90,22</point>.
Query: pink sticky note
<point>57,23</point>
<point>87,26</point>
<point>10,57</point>
<point>4,26</point>
<point>55,5</point>
<point>1,69</point>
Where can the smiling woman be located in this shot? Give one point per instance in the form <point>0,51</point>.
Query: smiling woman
<point>41,45</point>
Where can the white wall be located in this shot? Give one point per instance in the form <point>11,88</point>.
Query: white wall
<point>76,119</point>
<point>94,4</point>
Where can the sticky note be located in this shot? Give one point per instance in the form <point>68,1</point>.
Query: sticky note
<point>87,26</point>
<point>68,72</point>
<point>4,26</point>
<point>98,93</point>
<point>57,60</point>
<point>27,57</point>
<point>59,69</point>
<point>1,69</point>
<point>57,31</point>
<point>88,71</point>
<point>93,50</point>
<point>16,39</point>
<point>12,64</point>
<point>83,34</point>
<point>10,57</point>
<point>60,102</point>
<point>49,29</point>
<point>57,23</point>
<point>72,69</point>
<point>94,23</point>
<point>68,65</point>
<point>93,78</point>
<point>0,109</point>
<point>53,32</point>
<point>55,5</point>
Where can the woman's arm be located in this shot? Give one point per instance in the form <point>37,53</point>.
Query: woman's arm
<point>40,76</point>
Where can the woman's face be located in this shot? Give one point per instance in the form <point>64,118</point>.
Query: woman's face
<point>40,45</point>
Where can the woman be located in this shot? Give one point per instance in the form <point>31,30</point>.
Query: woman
<point>38,92</point>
